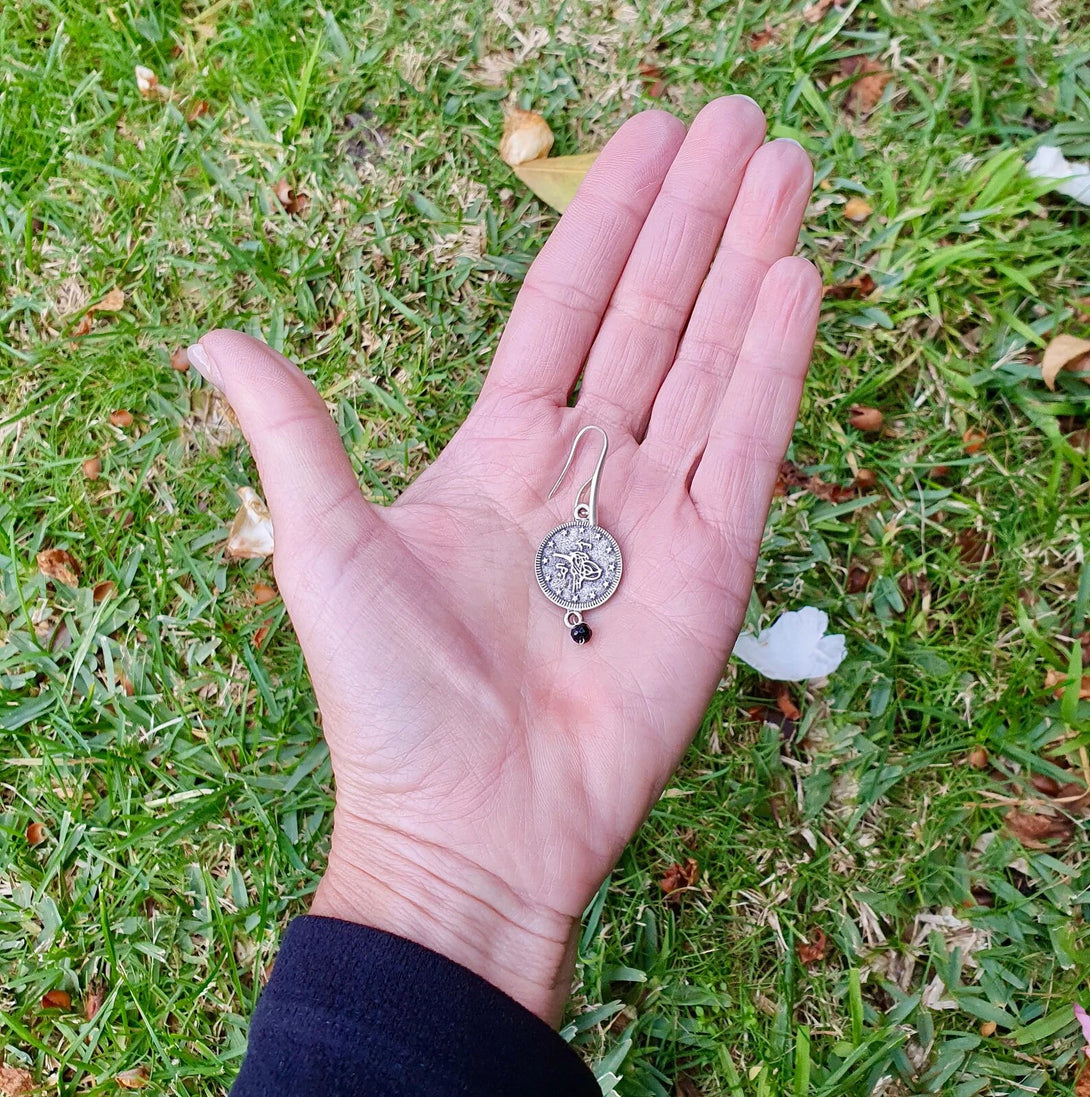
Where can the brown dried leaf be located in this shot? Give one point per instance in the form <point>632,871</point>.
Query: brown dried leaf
<point>859,578</point>
<point>1057,682</point>
<point>526,137</point>
<point>814,13</point>
<point>654,86</point>
<point>811,951</point>
<point>101,591</point>
<point>679,877</point>
<point>791,476</point>
<point>1082,1080</point>
<point>121,417</point>
<point>762,38</point>
<point>1039,831</point>
<point>685,1086</point>
<point>973,440</point>
<point>862,285</point>
<point>262,632</point>
<point>973,546</point>
<point>59,565</point>
<point>555,179</point>
<point>295,202</point>
<point>865,418</point>
<point>92,468</point>
<point>785,703</point>
<point>133,1079</point>
<point>114,301</point>
<point>1074,797</point>
<point>856,209</point>
<point>35,834</point>
<point>15,1082</point>
<point>251,533</point>
<point>869,82</point>
<point>865,479</point>
<point>1065,352</point>
<point>911,585</point>
<point>93,1000</point>
<point>56,999</point>
<point>1044,784</point>
<point>263,593</point>
<point>198,110</point>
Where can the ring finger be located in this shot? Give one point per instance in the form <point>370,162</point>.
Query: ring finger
<point>763,228</point>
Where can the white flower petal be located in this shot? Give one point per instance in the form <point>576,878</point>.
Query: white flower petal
<point>830,653</point>
<point>794,648</point>
<point>1049,163</point>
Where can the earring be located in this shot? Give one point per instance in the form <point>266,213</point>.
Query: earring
<point>578,565</point>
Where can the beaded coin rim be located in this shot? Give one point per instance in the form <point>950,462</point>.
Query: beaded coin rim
<point>561,602</point>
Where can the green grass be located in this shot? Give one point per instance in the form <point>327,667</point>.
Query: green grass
<point>188,822</point>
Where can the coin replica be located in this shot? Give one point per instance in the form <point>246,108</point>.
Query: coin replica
<point>578,565</point>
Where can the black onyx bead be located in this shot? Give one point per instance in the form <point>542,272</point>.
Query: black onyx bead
<point>581,633</point>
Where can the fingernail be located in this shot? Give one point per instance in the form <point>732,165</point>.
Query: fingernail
<point>201,361</point>
<point>741,95</point>
<point>792,141</point>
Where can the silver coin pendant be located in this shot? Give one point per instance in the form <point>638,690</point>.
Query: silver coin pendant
<point>578,565</point>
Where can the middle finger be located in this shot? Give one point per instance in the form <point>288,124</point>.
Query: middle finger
<point>650,306</point>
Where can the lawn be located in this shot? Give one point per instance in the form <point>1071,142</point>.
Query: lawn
<point>861,917</point>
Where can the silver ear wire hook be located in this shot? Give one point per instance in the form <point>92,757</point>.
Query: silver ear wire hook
<point>578,565</point>
<point>589,509</point>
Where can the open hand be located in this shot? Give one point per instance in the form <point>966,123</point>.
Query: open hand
<point>489,770</point>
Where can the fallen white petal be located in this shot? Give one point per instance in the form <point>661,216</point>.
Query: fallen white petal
<point>146,81</point>
<point>794,648</point>
<point>1049,163</point>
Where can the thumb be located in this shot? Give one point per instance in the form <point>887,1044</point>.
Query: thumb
<point>311,491</point>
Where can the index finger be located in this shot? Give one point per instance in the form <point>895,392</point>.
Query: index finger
<point>562,301</point>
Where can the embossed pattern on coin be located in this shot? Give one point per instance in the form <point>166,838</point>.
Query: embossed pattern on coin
<point>578,565</point>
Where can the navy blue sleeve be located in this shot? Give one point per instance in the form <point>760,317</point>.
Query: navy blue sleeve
<point>355,1012</point>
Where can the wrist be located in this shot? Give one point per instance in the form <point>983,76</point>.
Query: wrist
<point>447,903</point>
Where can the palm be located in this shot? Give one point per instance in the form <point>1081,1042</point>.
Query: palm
<point>457,709</point>
<point>446,612</point>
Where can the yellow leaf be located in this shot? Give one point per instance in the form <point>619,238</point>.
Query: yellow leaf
<point>555,179</point>
<point>114,301</point>
<point>1065,352</point>
<point>855,209</point>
